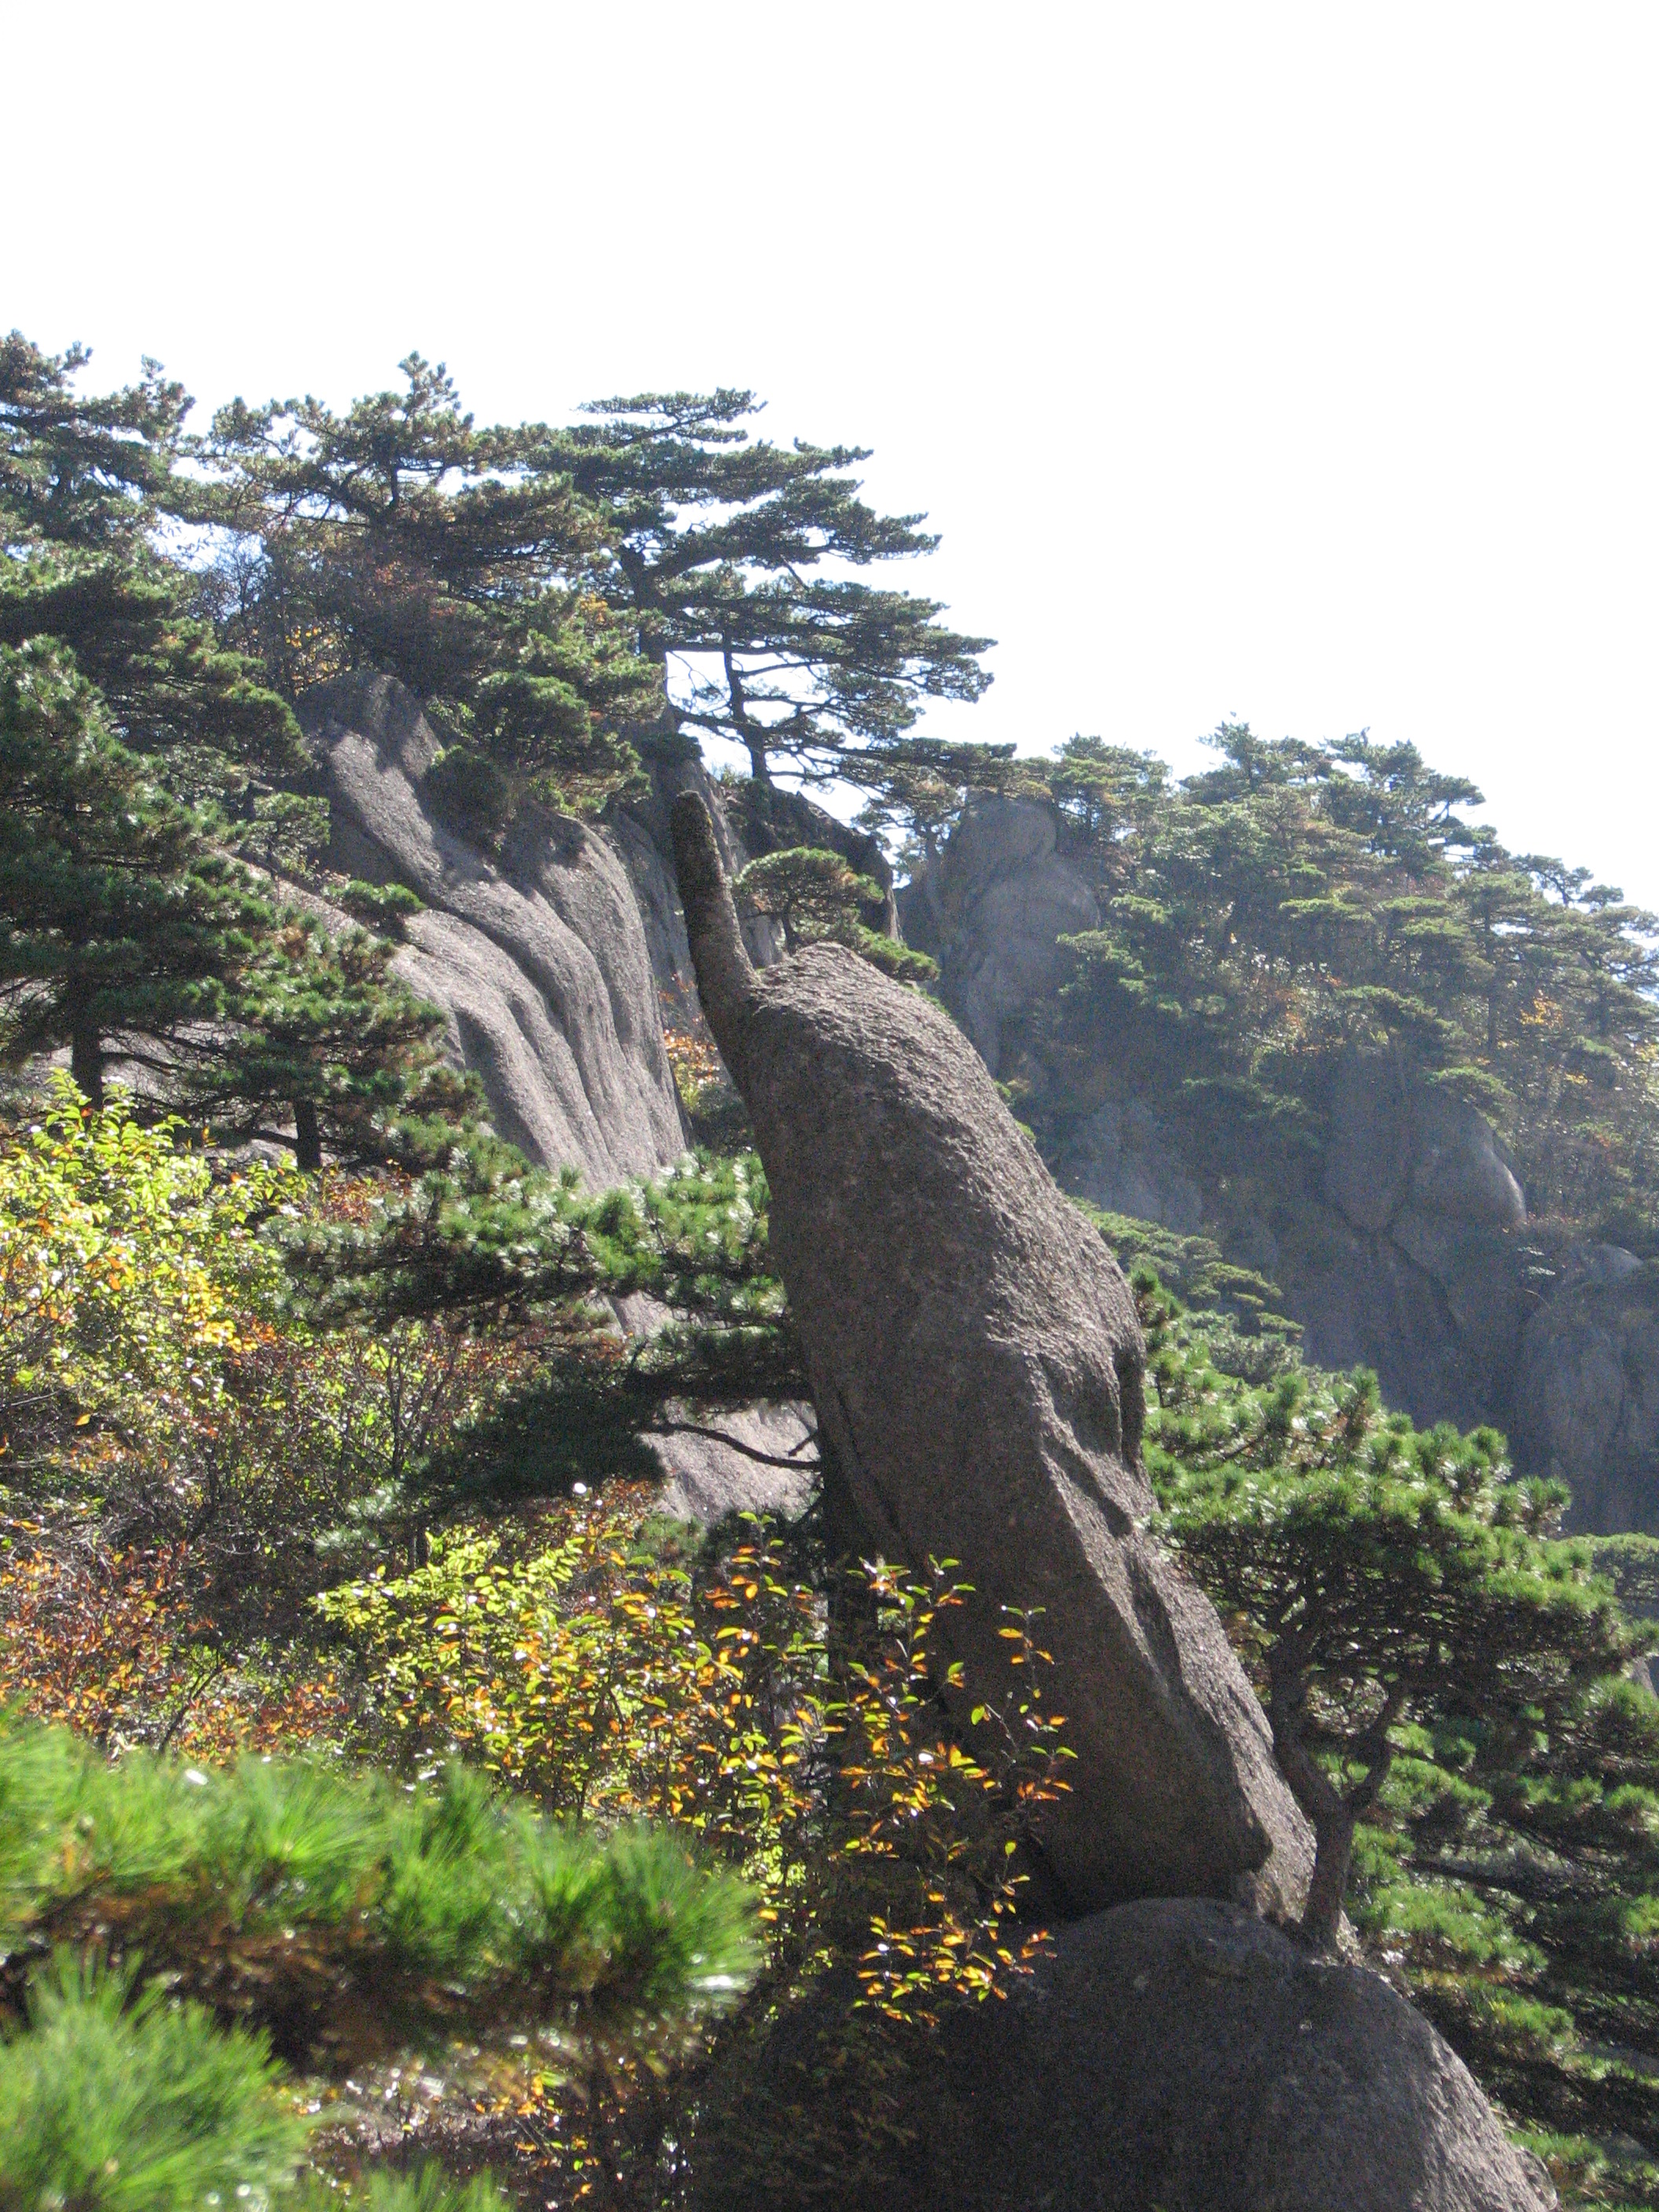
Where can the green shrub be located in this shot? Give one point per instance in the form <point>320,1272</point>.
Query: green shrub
<point>117,2101</point>
<point>285,1891</point>
<point>382,906</point>
<point>471,793</point>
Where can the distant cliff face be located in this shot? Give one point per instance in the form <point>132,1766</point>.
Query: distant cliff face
<point>1404,1246</point>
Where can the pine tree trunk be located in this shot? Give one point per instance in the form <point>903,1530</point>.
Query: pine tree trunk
<point>1332,1854</point>
<point>1329,1813</point>
<point>307,1136</point>
<point>87,1057</point>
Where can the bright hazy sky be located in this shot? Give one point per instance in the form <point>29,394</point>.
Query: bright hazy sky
<point>1291,363</point>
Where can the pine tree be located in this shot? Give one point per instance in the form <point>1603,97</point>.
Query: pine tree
<point>322,1030</point>
<point>118,917</point>
<point>716,558</point>
<point>1380,1577</point>
<point>84,483</point>
<point>813,895</point>
<point>401,536</point>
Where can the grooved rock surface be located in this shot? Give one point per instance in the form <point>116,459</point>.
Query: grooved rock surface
<point>537,955</point>
<point>976,1366</point>
<point>1176,2055</point>
<point>995,910</point>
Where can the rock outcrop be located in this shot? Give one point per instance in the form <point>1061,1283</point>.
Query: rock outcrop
<point>1406,1250</point>
<point>537,955</point>
<point>1587,1394</point>
<point>1170,2055</point>
<point>1408,1260</point>
<point>993,911</point>
<point>976,1366</point>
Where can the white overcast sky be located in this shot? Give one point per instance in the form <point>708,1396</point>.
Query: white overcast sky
<point>1296,363</point>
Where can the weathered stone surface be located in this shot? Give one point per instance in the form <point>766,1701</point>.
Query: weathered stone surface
<point>994,910</point>
<point>1587,1396</point>
<point>976,1366</point>
<point>761,1457</point>
<point>537,955</point>
<point>1171,2056</point>
<point>1119,1158</point>
<point>1395,1140</point>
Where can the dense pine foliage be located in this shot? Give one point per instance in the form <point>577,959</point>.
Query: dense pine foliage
<point>1297,898</point>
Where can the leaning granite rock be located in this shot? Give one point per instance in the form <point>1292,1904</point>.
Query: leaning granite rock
<point>536,954</point>
<point>1174,2055</point>
<point>976,1366</point>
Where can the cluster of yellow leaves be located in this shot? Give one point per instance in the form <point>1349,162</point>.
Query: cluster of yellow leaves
<point>129,1274</point>
<point>946,1821</point>
<point>592,1669</point>
<point>594,1665</point>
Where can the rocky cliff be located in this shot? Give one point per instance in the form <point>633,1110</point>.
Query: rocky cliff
<point>1405,1247</point>
<point>537,954</point>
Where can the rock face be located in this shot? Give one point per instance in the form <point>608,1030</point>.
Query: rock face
<point>1399,1151</point>
<point>537,955</point>
<point>1181,2056</point>
<point>993,912</point>
<point>1414,1268</point>
<point>976,1366</point>
<point>1587,1397</point>
<point>1119,1158</point>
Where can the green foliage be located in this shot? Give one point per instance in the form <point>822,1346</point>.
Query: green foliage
<point>283,1893</point>
<point>383,906</point>
<point>472,793</point>
<point>814,895</point>
<point>604,1664</point>
<point>714,552</point>
<point>321,1029</point>
<point>490,1231</point>
<point>1379,1572</point>
<point>83,482</point>
<point>127,1276</point>
<point>117,913</point>
<point>283,833</point>
<point>1260,917</point>
<point>115,2100</point>
<point>429,2189</point>
<point>1195,1269</point>
<point>1454,1674</point>
<point>398,535</point>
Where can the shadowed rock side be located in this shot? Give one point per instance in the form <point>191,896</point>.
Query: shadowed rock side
<point>1171,2056</point>
<point>537,955</point>
<point>976,1366</point>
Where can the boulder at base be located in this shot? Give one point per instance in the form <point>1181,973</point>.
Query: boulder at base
<point>536,954</point>
<point>977,1367</point>
<point>1171,2056</point>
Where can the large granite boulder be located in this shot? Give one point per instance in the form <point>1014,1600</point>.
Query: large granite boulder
<point>1399,1145</point>
<point>994,910</point>
<point>1587,1395</point>
<point>1171,2056</point>
<point>536,954</point>
<point>976,1366</point>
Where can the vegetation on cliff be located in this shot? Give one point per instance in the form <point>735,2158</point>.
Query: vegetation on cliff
<point>1295,899</point>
